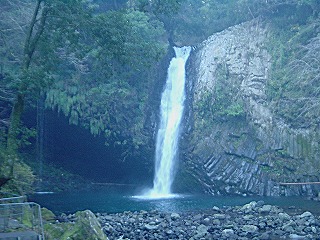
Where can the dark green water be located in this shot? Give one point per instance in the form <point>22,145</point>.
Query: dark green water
<point>119,199</point>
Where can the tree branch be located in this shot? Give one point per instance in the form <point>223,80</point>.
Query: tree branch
<point>30,42</point>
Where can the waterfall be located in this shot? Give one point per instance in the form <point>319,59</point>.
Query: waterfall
<point>171,111</point>
<point>40,138</point>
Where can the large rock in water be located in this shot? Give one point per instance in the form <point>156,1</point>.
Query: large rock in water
<point>86,226</point>
<point>236,143</point>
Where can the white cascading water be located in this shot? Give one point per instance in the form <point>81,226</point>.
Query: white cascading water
<point>172,105</point>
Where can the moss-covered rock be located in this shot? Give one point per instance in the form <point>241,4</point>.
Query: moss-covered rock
<point>86,226</point>
<point>47,215</point>
<point>20,176</point>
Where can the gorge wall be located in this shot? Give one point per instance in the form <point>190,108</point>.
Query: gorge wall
<point>236,143</point>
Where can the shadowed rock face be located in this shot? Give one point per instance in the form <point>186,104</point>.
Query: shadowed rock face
<point>236,143</point>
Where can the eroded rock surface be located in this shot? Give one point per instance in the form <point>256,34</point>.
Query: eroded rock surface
<point>237,144</point>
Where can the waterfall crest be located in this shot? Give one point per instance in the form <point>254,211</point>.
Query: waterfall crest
<point>171,111</point>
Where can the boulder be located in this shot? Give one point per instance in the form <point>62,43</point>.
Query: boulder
<point>265,209</point>
<point>296,236</point>
<point>108,228</point>
<point>174,216</point>
<point>202,230</point>
<point>150,227</point>
<point>249,206</point>
<point>219,216</point>
<point>215,208</point>
<point>206,221</point>
<point>86,226</point>
<point>227,232</point>
<point>305,215</point>
<point>47,215</point>
<point>250,228</point>
<point>284,216</point>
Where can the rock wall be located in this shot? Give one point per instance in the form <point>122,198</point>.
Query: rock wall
<point>235,143</point>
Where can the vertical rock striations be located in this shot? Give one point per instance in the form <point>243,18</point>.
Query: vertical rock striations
<point>237,143</point>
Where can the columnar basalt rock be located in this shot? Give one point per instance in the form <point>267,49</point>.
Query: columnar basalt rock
<point>238,145</point>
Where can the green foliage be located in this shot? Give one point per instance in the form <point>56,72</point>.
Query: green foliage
<point>45,34</point>
<point>36,52</point>
<point>20,174</point>
<point>159,7</point>
<point>293,44</point>
<point>110,109</point>
<point>197,20</point>
<point>221,103</point>
<point>126,43</point>
<point>143,40</point>
<point>110,97</point>
<point>12,165</point>
<point>203,105</point>
<point>235,110</point>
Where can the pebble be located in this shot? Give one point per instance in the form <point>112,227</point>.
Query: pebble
<point>295,236</point>
<point>251,221</point>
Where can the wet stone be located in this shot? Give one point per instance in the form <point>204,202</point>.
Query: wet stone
<point>219,216</point>
<point>150,227</point>
<point>206,221</point>
<point>305,215</point>
<point>175,216</point>
<point>227,223</point>
<point>227,232</point>
<point>250,228</point>
<point>265,209</point>
<point>216,222</point>
<point>296,236</point>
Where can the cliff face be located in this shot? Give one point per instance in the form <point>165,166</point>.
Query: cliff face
<point>237,143</point>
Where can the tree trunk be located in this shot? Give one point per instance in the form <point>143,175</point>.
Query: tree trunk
<point>14,128</point>
<point>12,138</point>
<point>33,35</point>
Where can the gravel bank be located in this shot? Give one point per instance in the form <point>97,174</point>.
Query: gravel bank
<point>254,220</point>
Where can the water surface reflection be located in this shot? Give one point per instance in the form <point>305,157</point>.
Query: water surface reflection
<point>112,200</point>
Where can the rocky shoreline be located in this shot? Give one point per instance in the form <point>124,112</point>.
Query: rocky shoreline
<point>254,220</point>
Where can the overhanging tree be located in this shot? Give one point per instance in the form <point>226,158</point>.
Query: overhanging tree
<point>29,66</point>
<point>110,98</point>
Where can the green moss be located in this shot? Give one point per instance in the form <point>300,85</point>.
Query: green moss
<point>22,178</point>
<point>282,153</point>
<point>266,168</point>
<point>237,140</point>
<point>55,231</point>
<point>220,104</point>
<point>235,109</point>
<point>47,215</point>
<point>86,227</point>
<point>305,146</point>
